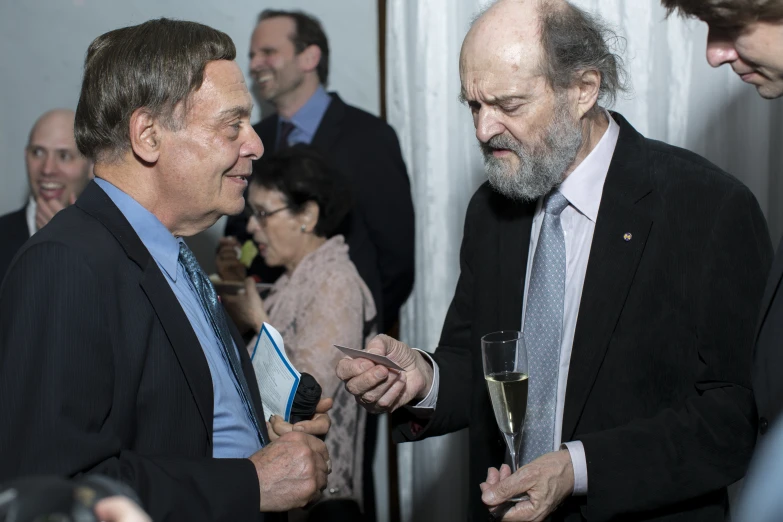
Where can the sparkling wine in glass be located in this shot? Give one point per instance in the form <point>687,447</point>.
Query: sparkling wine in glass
<point>505,370</point>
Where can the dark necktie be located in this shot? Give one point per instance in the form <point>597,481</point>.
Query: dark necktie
<point>543,330</point>
<point>286,128</point>
<point>217,319</point>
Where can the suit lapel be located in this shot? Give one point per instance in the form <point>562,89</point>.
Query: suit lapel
<point>611,267</point>
<point>773,283</point>
<point>175,323</point>
<point>331,124</point>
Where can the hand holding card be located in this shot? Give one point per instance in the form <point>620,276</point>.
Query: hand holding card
<point>353,353</point>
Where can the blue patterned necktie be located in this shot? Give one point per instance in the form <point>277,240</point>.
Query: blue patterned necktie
<point>543,329</point>
<point>217,319</point>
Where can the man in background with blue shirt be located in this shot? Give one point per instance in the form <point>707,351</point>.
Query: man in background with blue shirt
<point>289,61</point>
<point>115,353</point>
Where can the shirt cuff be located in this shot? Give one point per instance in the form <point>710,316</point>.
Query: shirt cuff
<point>579,461</point>
<point>427,405</point>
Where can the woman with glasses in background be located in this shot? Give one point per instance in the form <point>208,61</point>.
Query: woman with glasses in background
<point>298,206</point>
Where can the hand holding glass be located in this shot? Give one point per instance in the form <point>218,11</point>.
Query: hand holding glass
<point>505,369</point>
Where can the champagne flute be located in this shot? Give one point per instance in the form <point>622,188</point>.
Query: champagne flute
<point>505,370</point>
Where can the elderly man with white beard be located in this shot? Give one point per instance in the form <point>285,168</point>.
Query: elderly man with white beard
<point>634,270</point>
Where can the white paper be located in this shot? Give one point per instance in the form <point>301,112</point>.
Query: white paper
<point>276,376</point>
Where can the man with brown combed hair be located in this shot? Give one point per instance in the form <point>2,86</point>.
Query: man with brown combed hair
<point>746,34</point>
<point>115,353</point>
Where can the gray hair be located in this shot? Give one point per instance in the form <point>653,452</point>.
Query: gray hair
<point>574,41</point>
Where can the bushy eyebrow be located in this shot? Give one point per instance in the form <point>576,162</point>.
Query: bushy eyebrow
<point>238,111</point>
<point>498,99</point>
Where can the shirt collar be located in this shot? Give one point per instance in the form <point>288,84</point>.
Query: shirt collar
<point>585,185</point>
<point>160,242</point>
<point>309,116</point>
<point>30,209</point>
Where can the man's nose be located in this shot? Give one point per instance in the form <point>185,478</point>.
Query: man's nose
<point>720,48</point>
<point>50,164</point>
<point>487,125</point>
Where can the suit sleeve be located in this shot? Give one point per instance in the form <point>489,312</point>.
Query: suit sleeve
<point>453,356</point>
<point>57,381</point>
<point>686,452</point>
<point>386,205</point>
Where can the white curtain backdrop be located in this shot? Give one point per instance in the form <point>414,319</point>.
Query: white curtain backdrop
<point>676,98</point>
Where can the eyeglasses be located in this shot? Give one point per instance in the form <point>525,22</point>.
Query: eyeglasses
<point>261,215</point>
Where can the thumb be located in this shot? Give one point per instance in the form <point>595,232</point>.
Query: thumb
<point>377,345</point>
<point>324,405</point>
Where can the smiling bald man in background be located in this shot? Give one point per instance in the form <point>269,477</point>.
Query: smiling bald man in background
<point>57,173</point>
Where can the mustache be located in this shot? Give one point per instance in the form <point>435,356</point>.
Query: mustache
<point>501,141</point>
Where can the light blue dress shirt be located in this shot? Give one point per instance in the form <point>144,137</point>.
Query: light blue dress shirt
<point>233,434</point>
<point>760,499</point>
<point>308,118</point>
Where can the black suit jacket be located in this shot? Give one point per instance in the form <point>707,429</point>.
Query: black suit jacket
<point>13,234</point>
<point>658,389</point>
<point>365,149</point>
<point>101,371</point>
<point>768,354</point>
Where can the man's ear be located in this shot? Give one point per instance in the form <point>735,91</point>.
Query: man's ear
<point>145,135</point>
<point>589,87</point>
<point>310,58</point>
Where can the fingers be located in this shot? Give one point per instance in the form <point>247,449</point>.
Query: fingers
<point>372,384</point>
<point>318,446</point>
<point>272,435</point>
<point>324,405</point>
<point>119,509</point>
<point>510,485</point>
<point>378,345</point>
<point>348,368</point>
<point>394,392</point>
<point>505,471</point>
<point>280,426</point>
<point>318,425</point>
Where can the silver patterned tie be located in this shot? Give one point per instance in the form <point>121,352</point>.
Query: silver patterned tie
<point>217,319</point>
<point>543,329</point>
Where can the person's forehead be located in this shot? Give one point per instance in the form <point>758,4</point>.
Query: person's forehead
<point>276,29</point>
<point>263,196</point>
<point>224,84</point>
<point>504,69</point>
<point>54,132</point>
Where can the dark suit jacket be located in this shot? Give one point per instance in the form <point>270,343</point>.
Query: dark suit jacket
<point>658,389</point>
<point>365,149</point>
<point>101,371</point>
<point>768,354</point>
<point>13,234</point>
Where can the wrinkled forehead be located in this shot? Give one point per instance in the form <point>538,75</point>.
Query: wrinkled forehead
<point>499,68</point>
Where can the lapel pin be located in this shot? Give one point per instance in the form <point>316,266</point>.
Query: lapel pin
<point>627,237</point>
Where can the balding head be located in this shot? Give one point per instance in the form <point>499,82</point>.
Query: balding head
<point>506,34</point>
<point>56,169</point>
<point>532,72</point>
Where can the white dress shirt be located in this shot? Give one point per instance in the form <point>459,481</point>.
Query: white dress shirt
<point>583,189</point>
<point>30,215</point>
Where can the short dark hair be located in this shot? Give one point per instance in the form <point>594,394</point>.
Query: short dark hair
<point>155,65</point>
<point>308,31</point>
<point>575,41</point>
<point>728,12</point>
<point>301,174</point>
